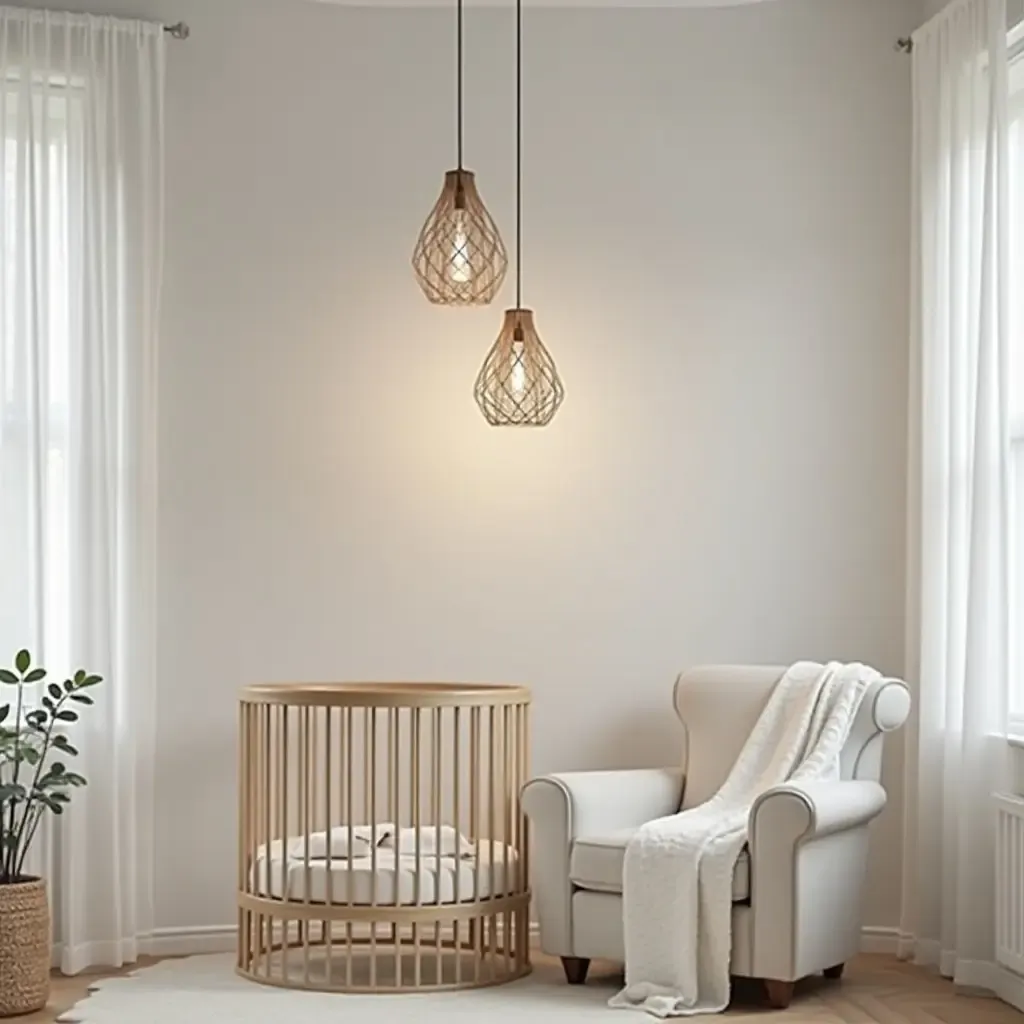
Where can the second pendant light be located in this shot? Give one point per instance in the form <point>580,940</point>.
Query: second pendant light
<point>518,385</point>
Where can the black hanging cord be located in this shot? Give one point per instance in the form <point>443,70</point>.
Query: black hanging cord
<point>519,154</point>
<point>459,87</point>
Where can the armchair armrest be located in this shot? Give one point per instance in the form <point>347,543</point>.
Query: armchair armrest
<point>802,810</point>
<point>594,803</point>
<point>562,807</point>
<point>808,863</point>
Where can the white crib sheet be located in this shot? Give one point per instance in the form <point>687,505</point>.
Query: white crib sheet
<point>395,876</point>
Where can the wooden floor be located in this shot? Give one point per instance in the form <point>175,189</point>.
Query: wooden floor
<point>876,990</point>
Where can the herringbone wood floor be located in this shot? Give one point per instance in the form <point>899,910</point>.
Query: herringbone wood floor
<point>876,990</point>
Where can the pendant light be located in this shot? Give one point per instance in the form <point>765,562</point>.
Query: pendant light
<point>518,385</point>
<point>460,259</point>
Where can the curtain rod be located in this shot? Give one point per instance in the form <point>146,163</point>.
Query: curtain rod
<point>179,31</point>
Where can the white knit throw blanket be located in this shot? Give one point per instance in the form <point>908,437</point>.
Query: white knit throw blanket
<point>677,887</point>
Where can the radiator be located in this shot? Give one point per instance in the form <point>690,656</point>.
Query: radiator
<point>1010,882</point>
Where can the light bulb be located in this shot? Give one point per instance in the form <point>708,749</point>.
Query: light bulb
<point>459,266</point>
<point>460,259</point>
<point>517,380</point>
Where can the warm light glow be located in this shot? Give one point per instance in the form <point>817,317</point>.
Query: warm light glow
<point>517,382</point>
<point>459,266</point>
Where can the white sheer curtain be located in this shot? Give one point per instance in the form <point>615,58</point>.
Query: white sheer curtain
<point>958,643</point>
<point>81,124</point>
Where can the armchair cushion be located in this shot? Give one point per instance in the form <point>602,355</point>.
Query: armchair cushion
<point>596,864</point>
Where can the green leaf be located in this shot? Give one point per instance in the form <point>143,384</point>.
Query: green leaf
<point>22,661</point>
<point>92,680</point>
<point>62,744</point>
<point>7,676</point>
<point>4,712</point>
<point>74,779</point>
<point>29,754</point>
<point>57,768</point>
<point>48,801</point>
<point>12,791</point>
<point>67,716</point>
<point>55,691</point>
<point>69,685</point>
<point>81,698</point>
<point>47,703</point>
<point>36,719</point>
<point>80,677</point>
<point>35,675</point>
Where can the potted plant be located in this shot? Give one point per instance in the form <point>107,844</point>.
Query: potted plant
<point>34,781</point>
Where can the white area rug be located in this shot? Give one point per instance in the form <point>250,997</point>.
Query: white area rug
<point>204,989</point>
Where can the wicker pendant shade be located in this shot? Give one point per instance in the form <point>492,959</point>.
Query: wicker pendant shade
<point>518,385</point>
<point>460,259</point>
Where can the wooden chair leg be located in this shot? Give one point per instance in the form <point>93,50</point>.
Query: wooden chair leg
<point>780,993</point>
<point>575,969</point>
<point>835,973</point>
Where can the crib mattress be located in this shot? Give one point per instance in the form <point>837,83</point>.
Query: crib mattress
<point>394,881</point>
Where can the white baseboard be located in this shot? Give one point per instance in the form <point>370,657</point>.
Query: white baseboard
<point>221,939</point>
<point>1008,986</point>
<point>192,941</point>
<point>879,940</point>
<point>971,975</point>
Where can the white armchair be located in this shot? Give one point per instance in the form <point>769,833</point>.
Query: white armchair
<point>798,887</point>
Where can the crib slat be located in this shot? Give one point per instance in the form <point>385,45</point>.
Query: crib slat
<point>492,828</point>
<point>418,879</point>
<point>372,783</point>
<point>476,827</point>
<point>328,924</point>
<point>268,808</point>
<point>305,787</point>
<point>284,836</point>
<point>396,817</point>
<point>350,814</point>
<point>457,823</point>
<point>438,810</point>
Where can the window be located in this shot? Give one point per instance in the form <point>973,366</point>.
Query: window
<point>35,362</point>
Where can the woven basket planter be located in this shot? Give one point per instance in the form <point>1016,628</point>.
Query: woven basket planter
<point>24,948</point>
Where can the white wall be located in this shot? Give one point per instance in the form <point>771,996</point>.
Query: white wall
<point>717,233</point>
<point>932,7</point>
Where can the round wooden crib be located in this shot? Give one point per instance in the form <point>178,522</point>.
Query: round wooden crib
<point>382,847</point>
